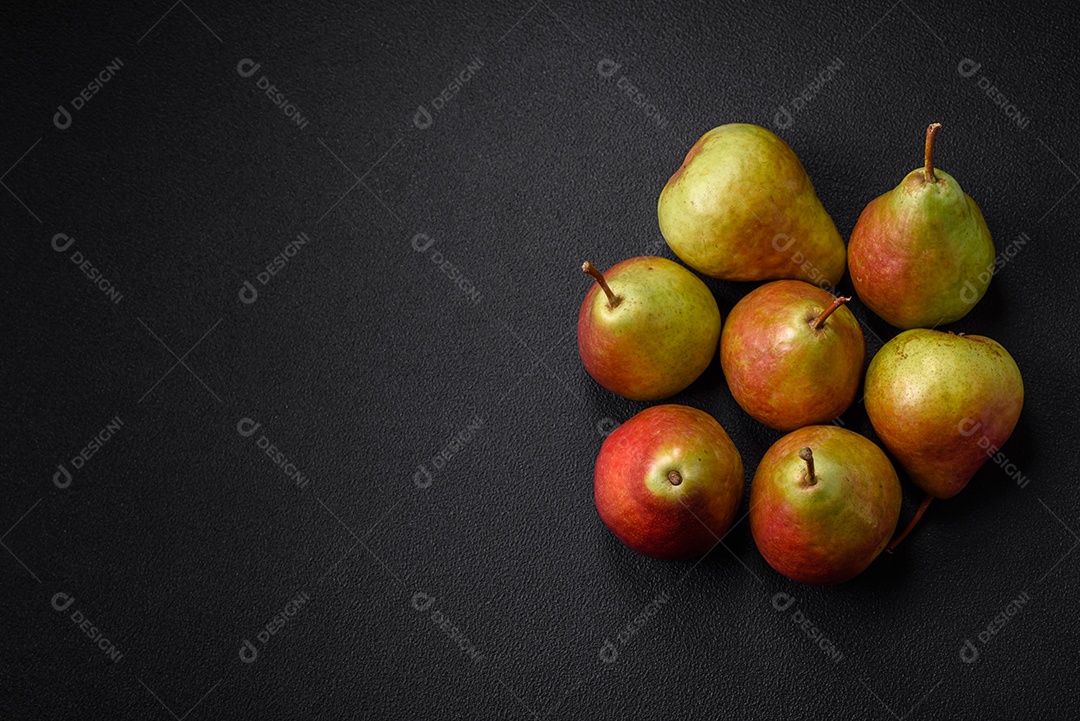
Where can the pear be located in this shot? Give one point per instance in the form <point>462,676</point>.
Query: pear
<point>792,354</point>
<point>932,396</point>
<point>823,504</point>
<point>919,254</point>
<point>942,404</point>
<point>668,482</point>
<point>741,207</point>
<point>647,328</point>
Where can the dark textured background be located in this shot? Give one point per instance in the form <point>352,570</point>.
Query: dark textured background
<point>361,359</point>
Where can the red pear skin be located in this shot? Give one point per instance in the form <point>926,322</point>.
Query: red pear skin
<point>781,368</point>
<point>668,482</point>
<point>939,402</point>
<point>827,522</point>
<point>921,254</point>
<point>658,336</point>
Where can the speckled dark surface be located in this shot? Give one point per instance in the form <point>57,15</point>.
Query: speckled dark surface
<point>436,298</point>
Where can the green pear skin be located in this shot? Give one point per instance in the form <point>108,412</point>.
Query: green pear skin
<point>741,207</point>
<point>918,254</point>
<point>649,329</point>
<point>939,402</point>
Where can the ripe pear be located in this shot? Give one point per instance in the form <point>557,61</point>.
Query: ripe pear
<point>741,207</point>
<point>919,254</point>
<point>823,504</point>
<point>648,328</point>
<point>943,404</point>
<point>668,482</point>
<point>792,354</point>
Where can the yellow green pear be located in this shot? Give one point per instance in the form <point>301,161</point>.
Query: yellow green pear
<point>921,254</point>
<point>741,207</point>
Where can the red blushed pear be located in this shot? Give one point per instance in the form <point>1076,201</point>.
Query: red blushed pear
<point>648,328</point>
<point>823,504</point>
<point>942,404</point>
<point>921,254</point>
<point>792,354</point>
<point>668,482</point>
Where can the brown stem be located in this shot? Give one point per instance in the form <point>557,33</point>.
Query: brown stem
<point>807,455</point>
<point>819,322</point>
<point>613,300</point>
<point>911,524</point>
<point>674,478</point>
<point>931,133</point>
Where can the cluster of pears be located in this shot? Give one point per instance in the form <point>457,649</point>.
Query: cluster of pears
<point>824,501</point>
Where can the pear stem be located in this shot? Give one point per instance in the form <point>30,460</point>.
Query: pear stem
<point>931,133</point>
<point>819,322</point>
<point>807,455</point>
<point>674,478</point>
<point>911,524</point>
<point>613,300</point>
